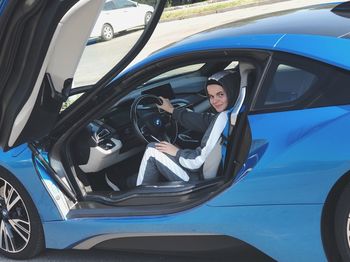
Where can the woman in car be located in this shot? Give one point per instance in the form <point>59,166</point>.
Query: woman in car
<point>166,160</point>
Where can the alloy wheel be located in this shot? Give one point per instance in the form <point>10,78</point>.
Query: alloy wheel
<point>148,17</point>
<point>107,32</point>
<point>14,220</point>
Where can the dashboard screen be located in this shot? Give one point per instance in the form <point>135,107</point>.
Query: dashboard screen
<point>164,90</point>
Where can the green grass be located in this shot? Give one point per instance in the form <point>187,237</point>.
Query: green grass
<point>205,9</point>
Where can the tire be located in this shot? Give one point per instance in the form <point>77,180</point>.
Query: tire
<point>21,231</point>
<point>107,32</point>
<point>342,224</point>
<point>148,17</point>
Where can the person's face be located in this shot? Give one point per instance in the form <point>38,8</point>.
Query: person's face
<point>217,97</point>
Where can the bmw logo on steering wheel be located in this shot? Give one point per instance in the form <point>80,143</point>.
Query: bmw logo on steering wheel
<point>157,122</point>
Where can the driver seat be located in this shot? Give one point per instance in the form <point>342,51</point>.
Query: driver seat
<point>213,164</point>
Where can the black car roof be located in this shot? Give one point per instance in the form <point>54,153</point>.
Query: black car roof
<point>325,19</point>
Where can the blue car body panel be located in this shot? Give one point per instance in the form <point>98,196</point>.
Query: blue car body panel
<point>267,208</point>
<point>284,31</point>
<point>276,230</point>
<point>301,156</point>
<point>252,210</point>
<point>19,162</point>
<point>2,5</point>
<point>322,48</point>
<point>330,50</point>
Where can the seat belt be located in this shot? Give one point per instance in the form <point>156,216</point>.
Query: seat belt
<point>225,135</point>
<point>232,114</point>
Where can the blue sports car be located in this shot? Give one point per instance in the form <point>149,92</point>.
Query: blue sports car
<point>66,176</point>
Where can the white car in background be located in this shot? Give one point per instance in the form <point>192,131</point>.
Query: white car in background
<point>120,15</point>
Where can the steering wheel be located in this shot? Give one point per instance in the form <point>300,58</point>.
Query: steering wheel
<point>151,123</point>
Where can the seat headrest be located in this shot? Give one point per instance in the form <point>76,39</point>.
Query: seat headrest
<point>245,69</point>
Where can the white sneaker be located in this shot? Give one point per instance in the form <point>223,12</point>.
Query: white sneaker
<point>111,184</point>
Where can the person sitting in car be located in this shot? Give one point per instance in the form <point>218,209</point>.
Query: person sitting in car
<point>166,160</point>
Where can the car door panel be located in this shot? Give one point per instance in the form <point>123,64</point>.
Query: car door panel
<point>297,145</point>
<point>133,12</point>
<point>15,20</point>
<point>58,67</point>
<point>117,19</point>
<point>39,62</point>
<point>300,147</point>
<point>138,13</point>
<point>120,17</point>
<point>20,54</point>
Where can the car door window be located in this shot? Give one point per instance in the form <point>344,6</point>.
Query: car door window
<point>288,85</point>
<point>294,82</point>
<point>109,6</point>
<point>124,3</point>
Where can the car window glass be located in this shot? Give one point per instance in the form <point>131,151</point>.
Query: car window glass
<point>302,83</point>
<point>334,90</point>
<point>288,85</point>
<point>125,3</point>
<point>112,37</point>
<point>118,4</point>
<point>109,6</point>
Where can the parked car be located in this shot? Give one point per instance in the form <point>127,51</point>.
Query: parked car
<point>285,183</point>
<point>120,15</point>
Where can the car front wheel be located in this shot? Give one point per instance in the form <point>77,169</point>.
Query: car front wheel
<point>342,224</point>
<point>148,17</point>
<point>21,232</point>
<point>107,32</point>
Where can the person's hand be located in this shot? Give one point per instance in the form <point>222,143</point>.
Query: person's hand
<point>166,147</point>
<point>166,105</point>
